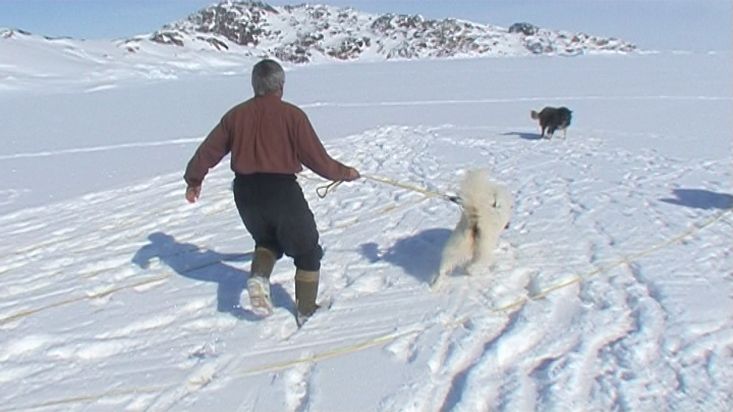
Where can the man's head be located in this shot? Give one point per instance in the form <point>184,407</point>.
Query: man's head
<point>267,77</point>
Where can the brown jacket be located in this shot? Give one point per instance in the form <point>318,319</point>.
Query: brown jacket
<point>264,135</point>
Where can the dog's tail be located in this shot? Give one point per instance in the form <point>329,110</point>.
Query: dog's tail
<point>479,194</point>
<point>534,115</point>
<point>476,192</point>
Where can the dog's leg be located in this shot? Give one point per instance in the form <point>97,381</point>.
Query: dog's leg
<point>458,250</point>
<point>484,250</point>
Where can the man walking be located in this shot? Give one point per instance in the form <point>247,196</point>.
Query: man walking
<point>269,141</point>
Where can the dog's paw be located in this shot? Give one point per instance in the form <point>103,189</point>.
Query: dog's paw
<point>437,282</point>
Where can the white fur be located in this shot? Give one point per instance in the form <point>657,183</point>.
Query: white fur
<point>487,208</point>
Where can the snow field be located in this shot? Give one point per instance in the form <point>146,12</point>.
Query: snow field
<point>129,298</point>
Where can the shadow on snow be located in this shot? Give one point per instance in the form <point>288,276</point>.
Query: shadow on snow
<point>193,262</point>
<point>524,135</point>
<point>700,199</point>
<point>417,255</point>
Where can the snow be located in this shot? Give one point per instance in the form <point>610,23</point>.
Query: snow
<point>611,289</point>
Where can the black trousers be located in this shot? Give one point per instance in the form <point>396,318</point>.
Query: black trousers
<point>276,214</point>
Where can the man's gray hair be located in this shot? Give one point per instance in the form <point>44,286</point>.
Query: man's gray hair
<point>267,77</point>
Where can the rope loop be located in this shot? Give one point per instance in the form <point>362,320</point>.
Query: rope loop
<point>322,191</point>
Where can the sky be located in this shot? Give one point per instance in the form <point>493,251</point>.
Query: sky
<point>709,26</point>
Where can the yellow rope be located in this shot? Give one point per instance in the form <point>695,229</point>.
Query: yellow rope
<point>426,192</point>
<point>97,295</point>
<point>90,398</point>
<point>90,296</point>
<point>323,190</point>
<point>343,350</point>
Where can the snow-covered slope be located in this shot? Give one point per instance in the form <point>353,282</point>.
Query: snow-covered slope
<point>29,61</point>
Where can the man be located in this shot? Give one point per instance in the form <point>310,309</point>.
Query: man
<point>269,141</point>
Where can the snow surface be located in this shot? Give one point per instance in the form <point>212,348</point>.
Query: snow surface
<point>611,290</point>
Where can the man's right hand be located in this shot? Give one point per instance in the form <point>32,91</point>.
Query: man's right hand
<point>353,174</point>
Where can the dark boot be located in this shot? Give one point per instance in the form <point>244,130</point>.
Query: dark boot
<point>258,284</point>
<point>306,290</point>
<point>262,263</point>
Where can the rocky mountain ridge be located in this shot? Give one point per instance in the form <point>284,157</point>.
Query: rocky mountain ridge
<point>306,33</point>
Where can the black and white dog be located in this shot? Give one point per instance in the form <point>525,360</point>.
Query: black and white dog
<point>487,208</point>
<point>553,118</point>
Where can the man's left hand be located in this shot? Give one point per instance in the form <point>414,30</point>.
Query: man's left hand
<point>193,193</point>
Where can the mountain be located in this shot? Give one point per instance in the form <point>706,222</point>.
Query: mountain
<point>304,33</point>
<point>227,37</point>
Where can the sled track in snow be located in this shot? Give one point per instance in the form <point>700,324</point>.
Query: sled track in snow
<point>96,149</point>
<point>511,100</point>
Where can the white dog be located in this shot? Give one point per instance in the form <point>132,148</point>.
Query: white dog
<point>487,208</point>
